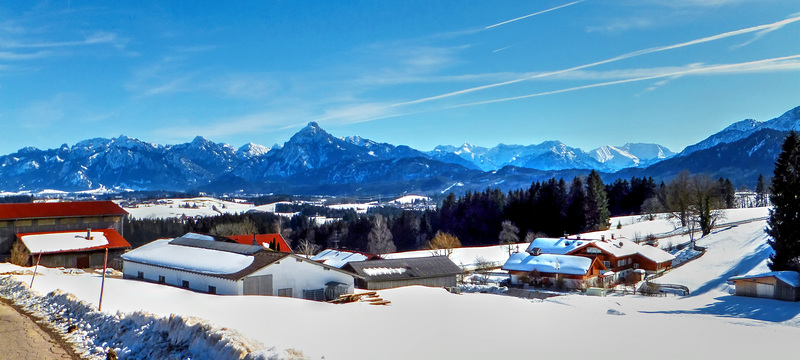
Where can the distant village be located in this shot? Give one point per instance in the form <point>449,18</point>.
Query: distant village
<point>89,234</point>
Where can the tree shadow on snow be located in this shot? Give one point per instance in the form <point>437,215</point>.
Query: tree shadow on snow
<point>744,307</point>
<point>738,306</point>
<point>742,267</point>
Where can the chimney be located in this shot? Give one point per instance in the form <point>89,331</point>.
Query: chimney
<point>536,251</point>
<point>88,233</point>
<point>603,238</point>
<point>254,240</point>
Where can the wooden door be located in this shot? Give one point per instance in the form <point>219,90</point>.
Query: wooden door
<point>258,285</point>
<point>82,262</point>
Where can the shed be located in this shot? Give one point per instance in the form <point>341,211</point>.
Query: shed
<point>780,285</point>
<point>434,271</point>
<point>72,249</point>
<point>234,269</point>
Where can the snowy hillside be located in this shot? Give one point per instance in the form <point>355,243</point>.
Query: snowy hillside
<point>446,326</point>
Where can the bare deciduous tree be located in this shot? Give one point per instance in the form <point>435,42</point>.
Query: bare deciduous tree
<point>379,240</point>
<point>509,235</point>
<point>443,244</point>
<point>240,228</point>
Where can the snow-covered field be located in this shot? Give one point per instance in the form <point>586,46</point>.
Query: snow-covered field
<point>208,206</point>
<point>428,323</point>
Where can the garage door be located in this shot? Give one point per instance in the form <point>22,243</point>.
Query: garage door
<point>765,290</point>
<point>258,285</point>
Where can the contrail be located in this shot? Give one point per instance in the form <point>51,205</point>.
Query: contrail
<point>534,14</point>
<point>768,27</point>
<point>708,69</point>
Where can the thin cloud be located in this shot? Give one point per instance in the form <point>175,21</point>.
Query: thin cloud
<point>759,28</point>
<point>774,64</point>
<point>534,14</point>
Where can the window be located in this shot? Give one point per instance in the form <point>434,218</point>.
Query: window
<point>162,279</point>
<point>621,262</point>
<point>68,221</point>
<point>185,284</point>
<point>140,275</point>
<point>45,222</point>
<point>607,264</point>
<point>285,292</point>
<point>635,265</point>
<point>212,289</point>
<point>593,250</point>
<point>21,223</point>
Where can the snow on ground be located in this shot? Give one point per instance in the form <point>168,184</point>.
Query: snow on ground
<point>359,208</point>
<point>193,207</point>
<point>410,199</point>
<point>429,323</point>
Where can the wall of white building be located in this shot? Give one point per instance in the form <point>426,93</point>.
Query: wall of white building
<point>298,274</point>
<point>176,277</point>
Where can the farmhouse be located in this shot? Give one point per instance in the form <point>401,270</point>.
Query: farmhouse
<point>273,241</point>
<point>227,268</point>
<point>72,249</point>
<point>340,258</point>
<point>780,285</point>
<point>435,271</point>
<point>618,255</point>
<point>59,216</point>
<point>573,271</point>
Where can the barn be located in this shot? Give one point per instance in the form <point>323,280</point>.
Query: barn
<point>71,249</point>
<point>234,269</point>
<point>434,271</point>
<point>340,258</point>
<point>56,216</point>
<point>779,285</point>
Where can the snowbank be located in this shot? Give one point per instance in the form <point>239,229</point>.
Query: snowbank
<point>137,335</point>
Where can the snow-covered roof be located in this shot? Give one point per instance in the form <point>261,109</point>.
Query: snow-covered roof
<point>558,246</point>
<point>623,247</point>
<point>789,277</point>
<point>162,253</point>
<point>549,263</point>
<point>64,241</point>
<point>654,253</point>
<point>338,258</point>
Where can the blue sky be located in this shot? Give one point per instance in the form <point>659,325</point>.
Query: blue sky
<point>419,73</point>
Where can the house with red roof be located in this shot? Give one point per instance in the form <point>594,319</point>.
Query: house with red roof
<point>272,241</point>
<point>71,249</point>
<point>56,216</point>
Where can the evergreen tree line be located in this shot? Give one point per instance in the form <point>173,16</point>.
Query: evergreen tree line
<point>547,208</point>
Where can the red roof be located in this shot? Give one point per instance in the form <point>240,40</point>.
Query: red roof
<point>115,240</point>
<point>262,239</point>
<point>59,209</point>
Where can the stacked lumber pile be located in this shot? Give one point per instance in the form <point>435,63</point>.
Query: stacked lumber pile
<point>370,297</point>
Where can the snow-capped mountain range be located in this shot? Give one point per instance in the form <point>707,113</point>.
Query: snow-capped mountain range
<point>555,155</point>
<point>316,162</point>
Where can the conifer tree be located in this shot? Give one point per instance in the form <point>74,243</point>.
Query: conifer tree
<point>784,219</point>
<point>597,203</point>
<point>761,191</point>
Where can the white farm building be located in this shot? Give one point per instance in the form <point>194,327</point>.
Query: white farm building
<point>202,264</point>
